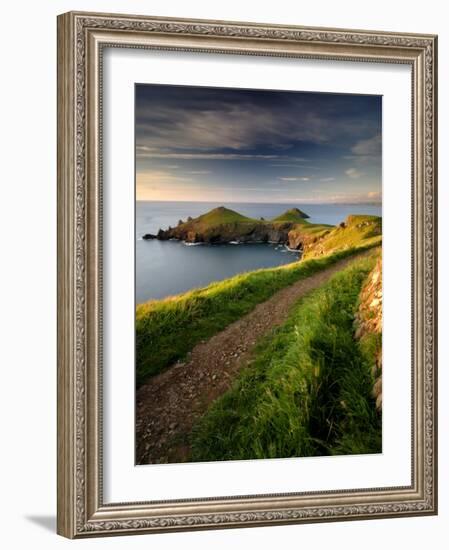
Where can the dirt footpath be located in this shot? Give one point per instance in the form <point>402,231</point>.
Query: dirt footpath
<point>169,403</point>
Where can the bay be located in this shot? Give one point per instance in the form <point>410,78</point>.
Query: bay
<point>166,268</point>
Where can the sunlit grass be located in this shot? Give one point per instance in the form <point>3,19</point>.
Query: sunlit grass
<point>307,391</point>
<point>166,330</point>
<point>357,229</point>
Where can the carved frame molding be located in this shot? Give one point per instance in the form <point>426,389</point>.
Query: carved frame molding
<point>81,39</point>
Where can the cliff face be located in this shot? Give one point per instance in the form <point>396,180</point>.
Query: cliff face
<point>222,225</point>
<point>307,240</point>
<point>352,232</point>
<point>242,232</point>
<point>369,326</point>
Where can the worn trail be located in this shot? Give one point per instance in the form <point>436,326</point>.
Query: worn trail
<point>168,404</point>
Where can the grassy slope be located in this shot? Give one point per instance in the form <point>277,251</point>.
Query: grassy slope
<point>292,215</point>
<point>357,228</point>
<point>219,221</point>
<point>166,330</point>
<point>219,216</point>
<point>314,239</point>
<point>308,390</point>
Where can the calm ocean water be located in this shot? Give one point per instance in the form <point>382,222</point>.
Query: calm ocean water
<point>165,268</point>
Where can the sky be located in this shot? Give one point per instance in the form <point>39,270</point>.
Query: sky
<point>238,145</point>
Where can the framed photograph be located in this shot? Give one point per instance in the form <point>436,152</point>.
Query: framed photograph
<point>246,274</point>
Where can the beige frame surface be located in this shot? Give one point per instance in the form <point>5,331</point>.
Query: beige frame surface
<point>81,39</point>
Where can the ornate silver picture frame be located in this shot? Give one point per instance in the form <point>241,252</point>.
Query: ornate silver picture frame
<point>82,39</point>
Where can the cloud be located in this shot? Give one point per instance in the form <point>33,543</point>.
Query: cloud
<point>164,185</point>
<point>286,164</point>
<point>294,179</point>
<point>371,147</point>
<point>338,198</point>
<point>375,195</point>
<point>353,173</point>
<point>355,198</point>
<point>278,142</point>
<point>222,126</point>
<point>204,119</point>
<point>149,152</point>
<point>199,172</point>
<point>151,177</point>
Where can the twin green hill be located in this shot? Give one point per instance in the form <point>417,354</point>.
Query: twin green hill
<point>223,226</point>
<point>166,330</point>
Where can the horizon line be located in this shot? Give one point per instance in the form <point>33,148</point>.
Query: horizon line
<point>372,203</point>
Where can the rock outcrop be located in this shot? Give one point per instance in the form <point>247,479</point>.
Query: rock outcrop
<point>369,324</point>
<point>301,238</point>
<point>222,226</point>
<point>227,233</point>
<point>355,230</point>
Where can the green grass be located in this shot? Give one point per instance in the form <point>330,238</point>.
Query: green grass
<point>220,222</point>
<point>223,225</point>
<point>357,229</point>
<point>221,215</point>
<point>166,330</point>
<point>308,390</point>
<point>293,215</point>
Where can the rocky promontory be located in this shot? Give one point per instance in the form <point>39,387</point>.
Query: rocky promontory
<point>225,226</point>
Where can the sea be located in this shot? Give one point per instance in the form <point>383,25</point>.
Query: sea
<point>167,268</point>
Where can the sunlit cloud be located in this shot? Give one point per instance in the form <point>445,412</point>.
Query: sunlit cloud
<point>356,198</point>
<point>155,184</point>
<point>199,172</point>
<point>375,195</point>
<point>353,173</point>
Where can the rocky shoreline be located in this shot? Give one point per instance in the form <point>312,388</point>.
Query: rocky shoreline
<point>291,229</point>
<point>224,226</point>
<point>262,233</point>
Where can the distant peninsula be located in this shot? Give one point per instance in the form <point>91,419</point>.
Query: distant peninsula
<point>225,226</point>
